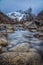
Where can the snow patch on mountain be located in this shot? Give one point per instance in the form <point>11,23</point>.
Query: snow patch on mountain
<point>16,15</point>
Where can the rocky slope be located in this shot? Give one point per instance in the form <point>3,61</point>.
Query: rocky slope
<point>5,19</point>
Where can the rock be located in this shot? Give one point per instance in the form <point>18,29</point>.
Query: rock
<point>25,58</point>
<point>20,47</point>
<point>39,35</point>
<point>3,42</point>
<point>9,26</point>
<point>33,50</point>
<point>0,49</point>
<point>10,31</point>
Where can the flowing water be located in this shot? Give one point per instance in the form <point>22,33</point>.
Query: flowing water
<point>24,36</point>
<point>20,36</point>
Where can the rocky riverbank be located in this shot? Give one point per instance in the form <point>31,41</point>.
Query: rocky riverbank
<point>21,43</point>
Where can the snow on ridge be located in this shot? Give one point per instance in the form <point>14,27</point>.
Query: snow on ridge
<point>15,15</point>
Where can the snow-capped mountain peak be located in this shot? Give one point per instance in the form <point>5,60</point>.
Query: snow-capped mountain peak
<point>21,15</point>
<point>16,15</point>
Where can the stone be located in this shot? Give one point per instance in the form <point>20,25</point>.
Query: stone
<point>19,58</point>
<point>33,50</point>
<point>3,42</point>
<point>23,47</point>
<point>39,35</point>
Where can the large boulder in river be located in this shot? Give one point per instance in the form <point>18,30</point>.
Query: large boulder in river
<point>25,58</point>
<point>23,47</point>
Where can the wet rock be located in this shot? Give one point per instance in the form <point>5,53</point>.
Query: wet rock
<point>33,50</point>
<point>10,30</point>
<point>39,35</point>
<point>30,26</point>
<point>23,47</point>
<point>9,26</point>
<point>39,48</point>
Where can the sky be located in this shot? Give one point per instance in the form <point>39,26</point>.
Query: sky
<point>13,5</point>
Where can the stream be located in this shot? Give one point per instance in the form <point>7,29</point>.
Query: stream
<point>24,36</point>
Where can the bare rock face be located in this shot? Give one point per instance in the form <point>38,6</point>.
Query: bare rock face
<point>21,47</point>
<point>15,58</point>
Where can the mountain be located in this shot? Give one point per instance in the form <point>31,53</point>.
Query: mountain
<point>21,15</point>
<point>5,19</point>
<point>16,15</point>
<point>40,16</point>
<point>39,19</point>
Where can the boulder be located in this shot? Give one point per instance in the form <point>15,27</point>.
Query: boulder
<point>39,35</point>
<point>24,47</point>
<point>25,58</point>
<point>3,42</point>
<point>33,50</point>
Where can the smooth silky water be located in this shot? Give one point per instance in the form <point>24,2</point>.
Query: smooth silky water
<point>24,36</point>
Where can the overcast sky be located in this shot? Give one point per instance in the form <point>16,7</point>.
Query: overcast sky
<point>13,5</point>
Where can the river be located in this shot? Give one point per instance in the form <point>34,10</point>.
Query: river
<point>24,36</point>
